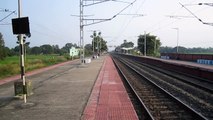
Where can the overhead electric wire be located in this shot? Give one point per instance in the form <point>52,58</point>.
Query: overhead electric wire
<point>6,24</point>
<point>163,26</point>
<point>126,25</point>
<point>191,12</point>
<point>7,16</point>
<point>120,1</point>
<point>123,27</point>
<point>152,28</point>
<point>168,24</point>
<point>104,20</point>
<point>157,29</point>
<point>55,34</point>
<point>101,1</point>
<point>124,9</point>
<point>196,16</point>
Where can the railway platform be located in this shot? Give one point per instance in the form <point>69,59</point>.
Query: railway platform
<point>60,92</point>
<point>109,99</point>
<point>63,91</point>
<point>186,63</point>
<point>190,68</point>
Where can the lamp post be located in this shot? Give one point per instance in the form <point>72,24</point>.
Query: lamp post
<point>177,38</point>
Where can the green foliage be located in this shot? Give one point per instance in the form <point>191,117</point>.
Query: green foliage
<point>127,44</point>
<point>98,43</point>
<point>10,66</point>
<point>8,70</point>
<point>67,47</point>
<point>104,45</point>
<point>2,50</point>
<point>46,49</point>
<point>67,56</point>
<point>88,50</point>
<point>36,50</point>
<point>152,44</point>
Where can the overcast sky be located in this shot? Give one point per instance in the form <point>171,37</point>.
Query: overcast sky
<point>51,21</point>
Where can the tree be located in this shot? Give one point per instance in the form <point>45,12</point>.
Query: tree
<point>165,49</point>
<point>152,44</point>
<point>36,50</point>
<point>103,45</point>
<point>46,49</point>
<point>98,43</point>
<point>184,50</point>
<point>88,49</point>
<point>95,41</point>
<point>7,51</point>
<point>2,51</point>
<point>56,49</point>
<point>67,47</point>
<point>127,44</point>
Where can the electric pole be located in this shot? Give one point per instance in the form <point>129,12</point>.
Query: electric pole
<point>21,44</point>
<point>81,32</point>
<point>94,21</point>
<point>177,39</point>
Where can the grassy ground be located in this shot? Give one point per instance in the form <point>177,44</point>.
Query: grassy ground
<point>10,66</point>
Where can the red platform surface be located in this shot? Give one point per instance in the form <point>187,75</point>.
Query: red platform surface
<point>109,99</point>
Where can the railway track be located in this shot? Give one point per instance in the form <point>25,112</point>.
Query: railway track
<point>194,92</point>
<point>156,101</point>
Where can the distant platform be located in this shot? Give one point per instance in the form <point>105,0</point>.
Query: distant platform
<point>186,63</point>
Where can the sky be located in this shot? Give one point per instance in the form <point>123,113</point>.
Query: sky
<point>56,22</point>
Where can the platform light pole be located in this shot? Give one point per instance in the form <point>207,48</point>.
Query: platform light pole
<point>177,38</point>
<point>20,38</point>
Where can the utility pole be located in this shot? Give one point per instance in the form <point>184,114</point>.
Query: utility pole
<point>94,21</point>
<point>177,38</point>
<point>21,44</point>
<point>81,32</point>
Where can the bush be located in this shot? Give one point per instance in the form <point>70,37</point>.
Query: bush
<point>67,56</point>
<point>10,66</point>
<point>8,70</point>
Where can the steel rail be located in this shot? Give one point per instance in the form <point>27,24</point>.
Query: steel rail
<point>175,99</point>
<point>168,73</point>
<point>148,115</point>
